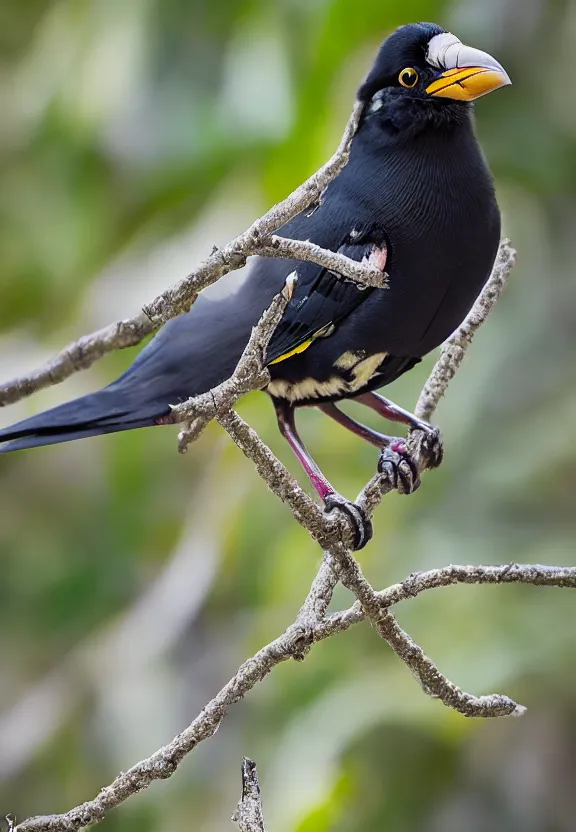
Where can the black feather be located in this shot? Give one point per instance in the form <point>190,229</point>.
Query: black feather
<point>406,47</point>
<point>318,302</point>
<point>416,180</point>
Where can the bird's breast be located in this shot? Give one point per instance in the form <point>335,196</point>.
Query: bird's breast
<point>434,198</point>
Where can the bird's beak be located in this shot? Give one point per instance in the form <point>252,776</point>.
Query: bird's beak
<point>468,72</point>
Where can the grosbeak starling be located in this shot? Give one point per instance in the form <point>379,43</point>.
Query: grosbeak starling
<point>416,195</point>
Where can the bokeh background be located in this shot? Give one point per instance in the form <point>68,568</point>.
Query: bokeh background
<point>135,135</point>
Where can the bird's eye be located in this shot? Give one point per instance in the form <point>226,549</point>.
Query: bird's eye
<point>408,77</point>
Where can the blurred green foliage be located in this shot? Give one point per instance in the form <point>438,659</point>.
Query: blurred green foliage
<point>134,135</point>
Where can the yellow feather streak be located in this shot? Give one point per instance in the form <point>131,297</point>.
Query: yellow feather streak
<point>295,351</point>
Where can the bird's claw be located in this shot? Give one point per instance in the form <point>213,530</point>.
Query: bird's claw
<point>432,445</point>
<point>396,463</point>
<point>359,521</point>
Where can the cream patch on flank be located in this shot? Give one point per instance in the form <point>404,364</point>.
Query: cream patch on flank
<point>365,369</point>
<point>309,388</point>
<point>362,370</point>
<point>349,359</point>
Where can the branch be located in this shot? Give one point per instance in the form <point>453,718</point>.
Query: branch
<point>562,577</point>
<point>451,356</point>
<point>250,374</point>
<point>77,356</point>
<point>361,272</point>
<point>332,531</point>
<point>248,814</point>
<point>335,536</point>
<point>82,353</point>
<point>295,643</point>
<point>455,347</point>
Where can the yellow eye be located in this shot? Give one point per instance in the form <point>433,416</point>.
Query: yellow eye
<point>408,77</point>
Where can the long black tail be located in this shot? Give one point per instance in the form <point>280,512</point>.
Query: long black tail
<point>91,415</point>
<point>190,355</point>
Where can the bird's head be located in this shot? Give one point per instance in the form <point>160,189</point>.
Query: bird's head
<point>422,62</point>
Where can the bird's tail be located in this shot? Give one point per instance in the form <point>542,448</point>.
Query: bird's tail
<point>191,354</point>
<point>90,415</point>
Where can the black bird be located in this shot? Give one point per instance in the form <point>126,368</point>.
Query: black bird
<point>416,196</point>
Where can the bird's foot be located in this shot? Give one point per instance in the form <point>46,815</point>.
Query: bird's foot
<point>397,463</point>
<point>432,446</point>
<point>359,521</point>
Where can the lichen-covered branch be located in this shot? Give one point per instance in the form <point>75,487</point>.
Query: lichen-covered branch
<point>331,530</point>
<point>248,814</point>
<point>434,682</point>
<point>82,353</point>
<point>250,374</point>
<point>454,349</point>
<point>562,577</point>
<point>277,477</point>
<point>79,355</point>
<point>362,272</point>
<point>295,643</point>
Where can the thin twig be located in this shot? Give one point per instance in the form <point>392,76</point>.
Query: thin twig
<point>455,347</point>
<point>248,814</point>
<point>434,682</point>
<point>279,480</point>
<point>295,642</point>
<point>332,531</point>
<point>563,577</point>
<point>79,355</point>
<point>250,374</point>
<point>82,353</point>
<point>362,272</point>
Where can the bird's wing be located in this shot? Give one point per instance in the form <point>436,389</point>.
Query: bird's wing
<point>321,300</point>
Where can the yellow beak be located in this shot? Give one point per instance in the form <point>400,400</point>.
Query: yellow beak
<point>467,83</point>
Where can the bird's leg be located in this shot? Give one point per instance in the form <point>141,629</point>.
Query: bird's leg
<point>392,412</point>
<point>329,496</point>
<point>357,428</point>
<point>287,426</point>
<point>401,467</point>
<point>433,443</point>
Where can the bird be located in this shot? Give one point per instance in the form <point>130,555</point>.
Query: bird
<point>415,199</point>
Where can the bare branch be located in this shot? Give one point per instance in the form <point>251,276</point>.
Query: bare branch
<point>278,479</point>
<point>248,814</point>
<point>513,573</point>
<point>455,347</point>
<point>451,356</point>
<point>164,762</point>
<point>562,577</point>
<point>81,354</point>
<point>314,608</point>
<point>433,681</point>
<point>332,531</point>
<point>294,643</point>
<point>250,374</point>
<point>362,272</point>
